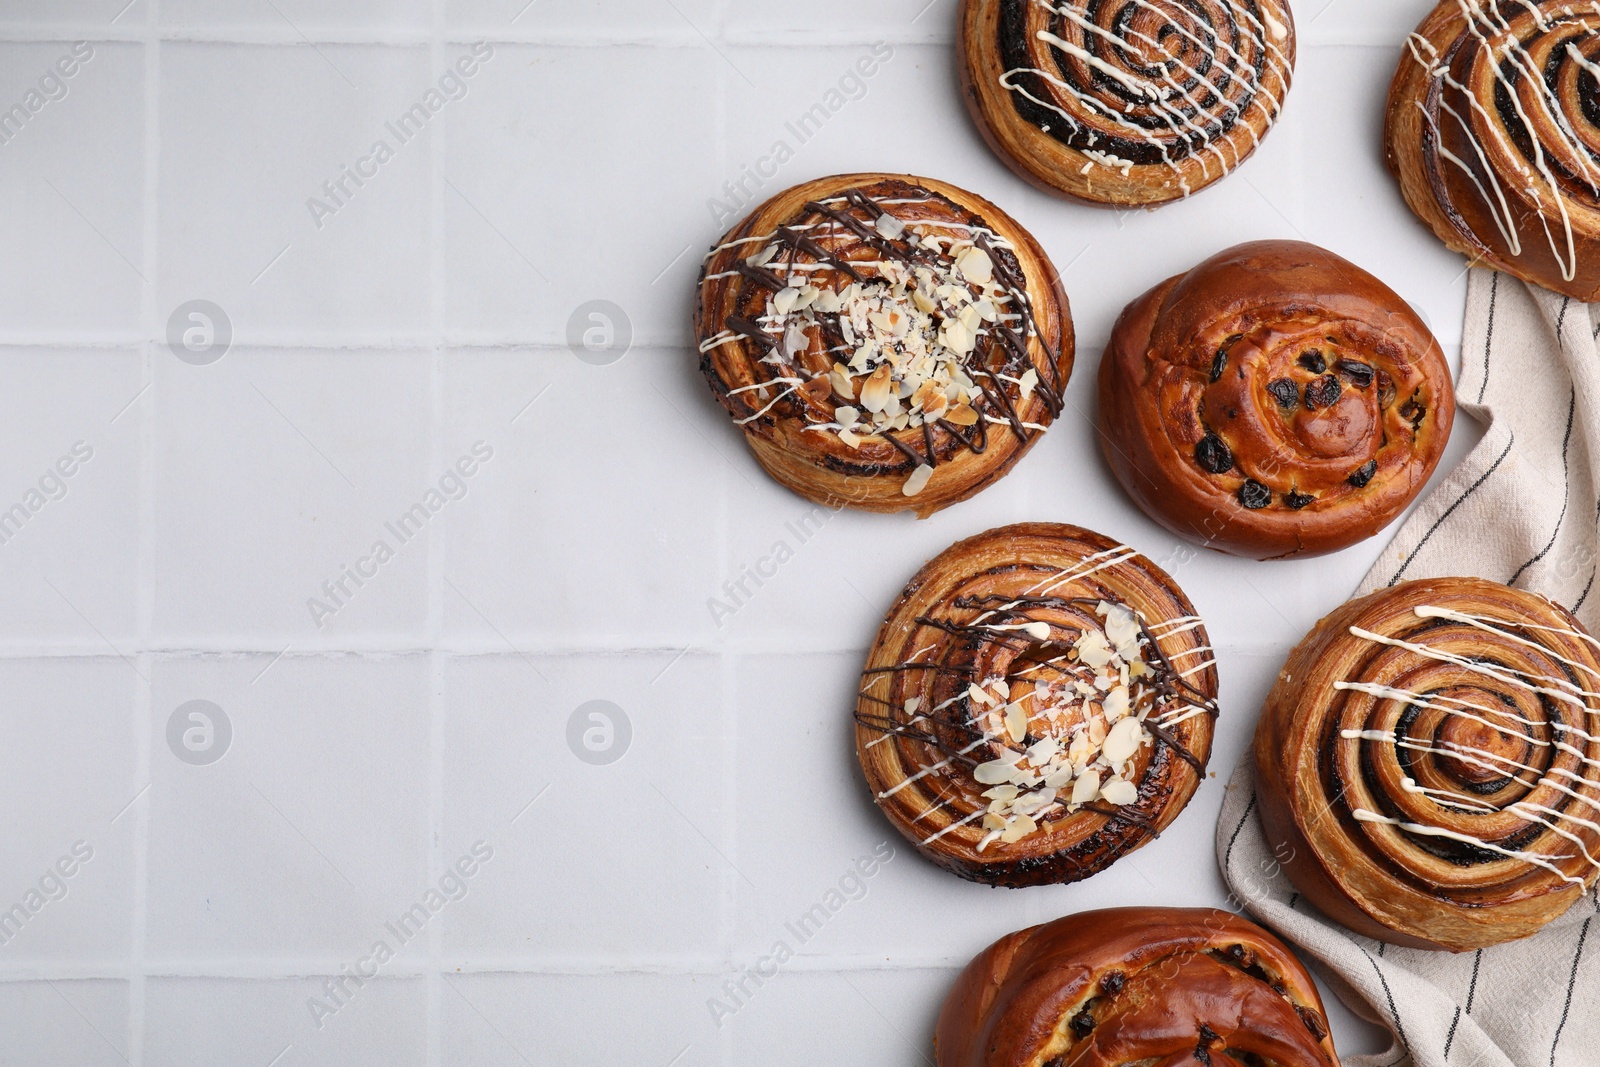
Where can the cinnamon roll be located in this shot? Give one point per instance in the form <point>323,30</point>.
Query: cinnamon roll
<point>1274,401</point>
<point>1039,701</point>
<point>1494,133</point>
<point>1125,102</point>
<point>1135,987</point>
<point>886,343</point>
<point>1430,758</point>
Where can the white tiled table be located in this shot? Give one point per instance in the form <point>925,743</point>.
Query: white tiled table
<point>372,352</point>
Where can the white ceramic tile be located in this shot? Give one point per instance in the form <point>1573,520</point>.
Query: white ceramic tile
<point>882,1017</point>
<point>581,19</point>
<point>641,512</point>
<point>69,512</point>
<point>78,1022</point>
<point>585,197</point>
<point>619,863</point>
<point>804,807</point>
<point>72,255</point>
<point>1370,22</point>
<point>490,1020</point>
<point>296,16</point>
<point>265,490</point>
<point>834,19</point>
<point>189,1021</point>
<point>233,200</point>
<point>84,16</point>
<point>66,853</point>
<point>323,772</point>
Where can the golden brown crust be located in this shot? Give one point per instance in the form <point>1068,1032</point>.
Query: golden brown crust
<point>1168,113</point>
<point>1135,986</point>
<point>1496,686</point>
<point>794,378</point>
<point>1501,176</point>
<point>1011,621</point>
<point>1274,401</point>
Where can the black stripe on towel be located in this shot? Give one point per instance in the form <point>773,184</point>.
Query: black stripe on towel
<point>1566,499</point>
<point>1572,981</point>
<point>1451,510</point>
<point>1488,342</point>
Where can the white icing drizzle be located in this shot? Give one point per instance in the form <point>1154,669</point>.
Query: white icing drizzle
<point>1160,96</point>
<point>1501,720</point>
<point>1497,45</point>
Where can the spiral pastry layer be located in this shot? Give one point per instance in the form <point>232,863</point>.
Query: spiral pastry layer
<point>1039,701</point>
<point>1135,987</point>
<point>1275,401</point>
<point>1430,757</point>
<point>886,343</point>
<point>1125,102</point>
<point>1494,132</point>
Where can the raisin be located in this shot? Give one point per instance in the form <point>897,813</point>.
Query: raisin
<point>1313,1022</point>
<point>1082,1024</point>
<point>1203,1054</point>
<point>1297,500</point>
<point>1359,373</point>
<point>1361,477</point>
<point>1113,982</point>
<point>1253,495</point>
<point>1219,363</point>
<point>1413,412</point>
<point>1285,392</point>
<point>1312,361</point>
<point>1208,1036</point>
<point>1323,392</point>
<point>1213,454</point>
<point>1386,390</point>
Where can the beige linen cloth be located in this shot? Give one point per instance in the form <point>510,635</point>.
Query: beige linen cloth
<point>1522,509</point>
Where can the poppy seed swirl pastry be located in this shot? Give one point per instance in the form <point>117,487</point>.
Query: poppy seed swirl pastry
<point>1274,401</point>
<point>1429,757</point>
<point>1125,102</point>
<point>1493,130</point>
<point>1135,987</point>
<point>886,343</point>
<point>1039,702</point>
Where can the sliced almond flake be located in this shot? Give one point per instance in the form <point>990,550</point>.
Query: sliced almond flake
<point>1122,741</point>
<point>1058,779</point>
<point>1001,686</point>
<point>1002,792</point>
<point>1119,791</point>
<point>763,257</point>
<point>912,704</point>
<point>1092,649</point>
<point>976,266</point>
<point>1028,383</point>
<point>1043,751</point>
<point>918,480</point>
<point>1087,787</point>
<point>992,821</point>
<point>875,393</point>
<point>1016,722</point>
<point>1097,731</point>
<point>795,341</point>
<point>1030,803</point>
<point>849,438</point>
<point>827,302</point>
<point>995,772</point>
<point>961,415</point>
<point>808,296</point>
<point>1018,828</point>
<point>980,696</point>
<point>1116,703</point>
<point>784,300</point>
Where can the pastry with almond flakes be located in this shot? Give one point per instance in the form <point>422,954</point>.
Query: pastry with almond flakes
<point>885,342</point>
<point>1039,702</point>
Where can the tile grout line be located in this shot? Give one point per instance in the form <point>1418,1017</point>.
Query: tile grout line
<point>434,978</point>
<point>144,714</point>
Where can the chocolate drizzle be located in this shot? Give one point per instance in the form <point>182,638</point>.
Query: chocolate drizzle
<point>833,234</point>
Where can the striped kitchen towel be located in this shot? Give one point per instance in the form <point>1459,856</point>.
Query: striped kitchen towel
<point>1522,509</point>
